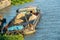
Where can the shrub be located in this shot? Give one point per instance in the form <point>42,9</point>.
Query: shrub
<point>11,37</point>
<point>15,2</point>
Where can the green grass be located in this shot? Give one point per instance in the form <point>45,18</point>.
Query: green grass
<point>11,37</point>
<point>17,2</point>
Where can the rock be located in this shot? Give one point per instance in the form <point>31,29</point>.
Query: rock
<point>4,3</point>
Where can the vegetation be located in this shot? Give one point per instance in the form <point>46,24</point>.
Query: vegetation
<point>11,37</point>
<point>14,2</point>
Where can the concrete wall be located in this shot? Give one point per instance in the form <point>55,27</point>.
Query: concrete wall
<point>4,3</point>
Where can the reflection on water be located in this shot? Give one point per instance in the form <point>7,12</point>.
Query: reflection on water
<point>49,26</point>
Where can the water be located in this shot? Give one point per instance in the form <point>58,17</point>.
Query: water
<point>49,26</point>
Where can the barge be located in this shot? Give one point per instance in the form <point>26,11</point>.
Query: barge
<point>24,22</point>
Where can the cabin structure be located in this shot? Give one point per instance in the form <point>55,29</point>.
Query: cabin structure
<point>4,3</point>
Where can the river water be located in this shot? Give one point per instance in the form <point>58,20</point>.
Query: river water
<point>49,25</point>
